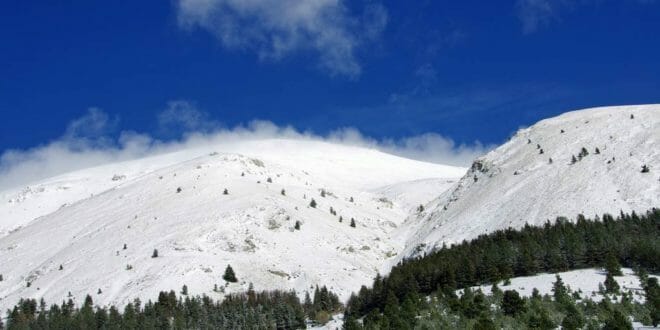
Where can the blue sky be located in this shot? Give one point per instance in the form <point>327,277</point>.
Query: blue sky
<point>466,70</point>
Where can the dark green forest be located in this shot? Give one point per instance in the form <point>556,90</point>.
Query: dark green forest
<point>421,293</point>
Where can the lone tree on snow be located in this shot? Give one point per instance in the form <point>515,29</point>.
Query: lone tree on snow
<point>352,222</point>
<point>155,253</point>
<point>312,203</point>
<point>225,192</point>
<point>645,169</point>
<point>229,276</point>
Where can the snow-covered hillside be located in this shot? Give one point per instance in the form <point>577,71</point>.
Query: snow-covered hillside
<point>533,177</point>
<point>586,281</point>
<point>102,225</point>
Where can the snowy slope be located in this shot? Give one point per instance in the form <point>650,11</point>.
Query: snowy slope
<point>82,220</point>
<point>585,280</point>
<point>517,183</point>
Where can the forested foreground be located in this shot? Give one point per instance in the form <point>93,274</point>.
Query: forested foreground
<point>396,301</point>
<point>422,292</point>
<point>250,310</point>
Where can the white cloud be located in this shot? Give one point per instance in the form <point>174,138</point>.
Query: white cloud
<point>534,14</point>
<point>275,29</point>
<point>76,151</point>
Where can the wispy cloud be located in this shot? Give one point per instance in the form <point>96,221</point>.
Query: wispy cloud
<point>536,14</point>
<point>275,29</point>
<point>78,148</point>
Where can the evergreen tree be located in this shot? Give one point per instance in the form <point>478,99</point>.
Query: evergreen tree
<point>352,222</point>
<point>229,275</point>
<point>184,290</point>
<point>512,304</point>
<point>312,203</point>
<point>617,321</point>
<point>283,192</point>
<point>645,169</point>
<point>155,253</point>
<point>652,293</point>
<point>225,192</point>
<point>297,225</point>
<point>611,286</point>
<point>612,265</point>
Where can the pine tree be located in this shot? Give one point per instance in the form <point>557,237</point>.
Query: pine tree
<point>297,225</point>
<point>269,180</point>
<point>225,192</point>
<point>351,199</point>
<point>99,291</point>
<point>597,151</point>
<point>512,304</point>
<point>322,192</point>
<point>155,253</point>
<point>178,190</point>
<point>229,275</point>
<point>61,268</point>
<point>612,265</point>
<point>352,222</point>
<point>645,168</point>
<point>652,293</point>
<point>125,247</point>
<point>283,192</point>
<point>611,286</point>
<point>312,203</point>
<point>184,290</point>
<point>573,159</point>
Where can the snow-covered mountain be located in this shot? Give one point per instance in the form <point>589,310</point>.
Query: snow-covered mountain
<point>543,172</point>
<point>103,224</point>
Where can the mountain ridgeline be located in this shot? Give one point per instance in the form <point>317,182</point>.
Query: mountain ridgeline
<point>290,216</point>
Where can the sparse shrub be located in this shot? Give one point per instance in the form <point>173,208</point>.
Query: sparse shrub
<point>322,192</point>
<point>351,199</point>
<point>573,159</point>
<point>562,131</point>
<point>178,190</point>
<point>632,116</point>
<point>269,180</point>
<point>312,203</point>
<point>550,160</point>
<point>645,168</point>
<point>29,284</point>
<point>225,192</point>
<point>541,151</point>
<point>61,268</point>
<point>129,267</point>
<point>229,275</point>
<point>99,292</point>
<point>242,173</point>
<point>283,192</point>
<point>155,253</point>
<point>420,208</point>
